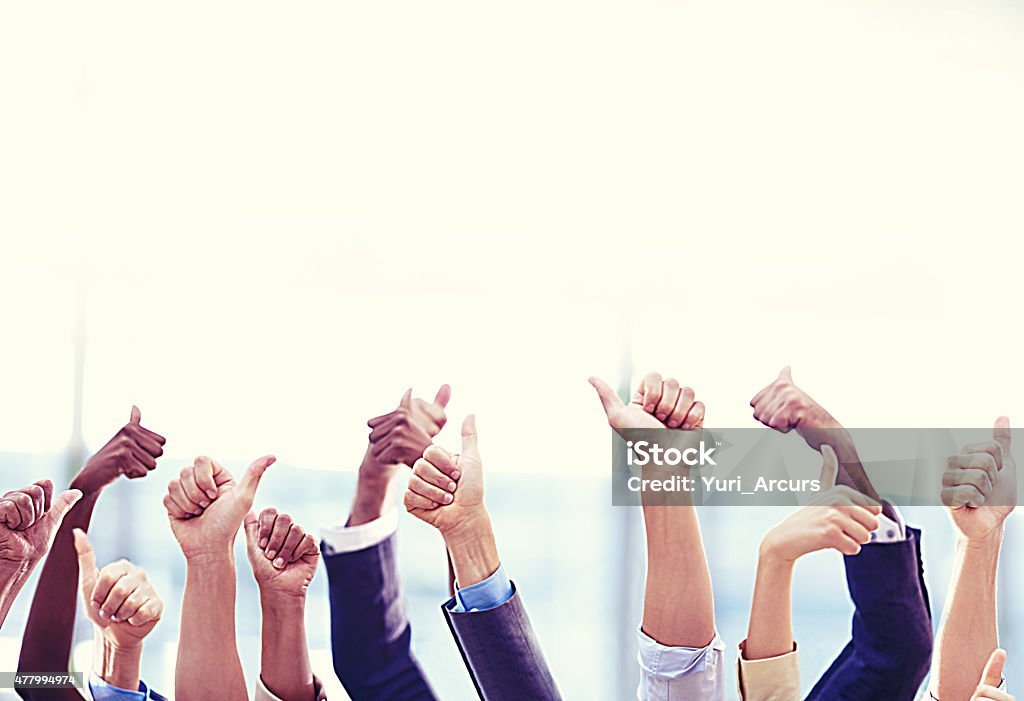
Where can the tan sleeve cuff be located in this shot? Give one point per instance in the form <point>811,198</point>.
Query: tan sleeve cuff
<point>770,679</point>
<point>264,694</point>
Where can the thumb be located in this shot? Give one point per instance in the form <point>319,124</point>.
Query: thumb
<point>786,374</point>
<point>1001,433</point>
<point>254,473</point>
<point>993,674</point>
<point>406,399</point>
<point>443,396</point>
<point>136,415</point>
<point>86,560</point>
<point>252,526</point>
<point>62,503</point>
<point>829,467</point>
<point>469,447</point>
<point>609,400</point>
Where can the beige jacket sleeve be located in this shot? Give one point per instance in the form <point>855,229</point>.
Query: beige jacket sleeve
<point>771,679</point>
<point>263,693</point>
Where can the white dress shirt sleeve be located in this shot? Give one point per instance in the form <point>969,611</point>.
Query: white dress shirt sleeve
<point>343,539</point>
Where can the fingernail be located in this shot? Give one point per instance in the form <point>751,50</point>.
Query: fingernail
<point>451,486</point>
<point>661,417</point>
<point>204,503</point>
<point>115,618</point>
<point>263,542</point>
<point>279,563</point>
<point>104,614</point>
<point>211,493</point>
<point>448,498</point>
<point>271,554</point>
<point>456,474</point>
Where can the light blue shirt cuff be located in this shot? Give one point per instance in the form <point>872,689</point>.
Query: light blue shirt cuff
<point>484,596</point>
<point>101,691</point>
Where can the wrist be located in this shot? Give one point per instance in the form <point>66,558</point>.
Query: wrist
<point>276,601</point>
<point>986,543</point>
<point>473,550</point>
<point>215,556</point>
<point>773,552</point>
<point>117,664</point>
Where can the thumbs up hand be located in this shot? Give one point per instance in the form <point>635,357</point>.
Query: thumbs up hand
<point>992,679</point>
<point>29,519</point>
<point>206,506</point>
<point>447,491</point>
<point>980,484</point>
<point>656,403</point>
<point>402,435</point>
<point>119,599</point>
<point>840,518</point>
<point>784,406</point>
<point>132,452</point>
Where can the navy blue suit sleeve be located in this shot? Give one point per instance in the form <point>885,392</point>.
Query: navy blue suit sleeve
<point>370,633</point>
<point>501,652</point>
<point>890,652</point>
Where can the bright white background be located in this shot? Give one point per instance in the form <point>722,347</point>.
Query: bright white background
<point>272,219</point>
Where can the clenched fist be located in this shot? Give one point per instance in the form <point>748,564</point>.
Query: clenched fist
<point>656,403</point>
<point>980,484</point>
<point>402,435</point>
<point>283,556</point>
<point>119,599</point>
<point>840,518</point>
<point>206,506</point>
<point>29,519</point>
<point>132,452</point>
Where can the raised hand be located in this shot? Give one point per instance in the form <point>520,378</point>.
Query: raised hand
<point>29,518</point>
<point>206,506</point>
<point>132,452</point>
<point>656,403</point>
<point>991,679</point>
<point>980,484</point>
<point>840,518</point>
<point>784,406</point>
<point>401,436</point>
<point>119,599</point>
<point>283,556</point>
<point>447,491</point>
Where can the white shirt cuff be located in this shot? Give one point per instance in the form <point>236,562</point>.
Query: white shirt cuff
<point>890,531</point>
<point>338,540</point>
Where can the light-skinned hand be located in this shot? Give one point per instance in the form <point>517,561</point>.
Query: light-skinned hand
<point>206,506</point>
<point>840,518</point>
<point>980,485</point>
<point>991,679</point>
<point>29,519</point>
<point>119,599</point>
<point>783,406</point>
<point>656,403</point>
<point>283,556</point>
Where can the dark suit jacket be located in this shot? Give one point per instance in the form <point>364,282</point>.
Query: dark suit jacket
<point>890,653</point>
<point>370,631</point>
<point>501,652</point>
<point>370,637</point>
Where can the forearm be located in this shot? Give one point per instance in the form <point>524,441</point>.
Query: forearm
<point>117,666</point>
<point>473,551</point>
<point>770,632</point>
<point>12,578</point>
<point>678,601</point>
<point>46,645</point>
<point>373,491</point>
<point>284,659</point>
<point>208,665</point>
<point>825,429</point>
<point>968,633</point>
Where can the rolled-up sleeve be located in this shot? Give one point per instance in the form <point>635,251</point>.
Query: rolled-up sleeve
<point>680,672</point>
<point>770,679</point>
